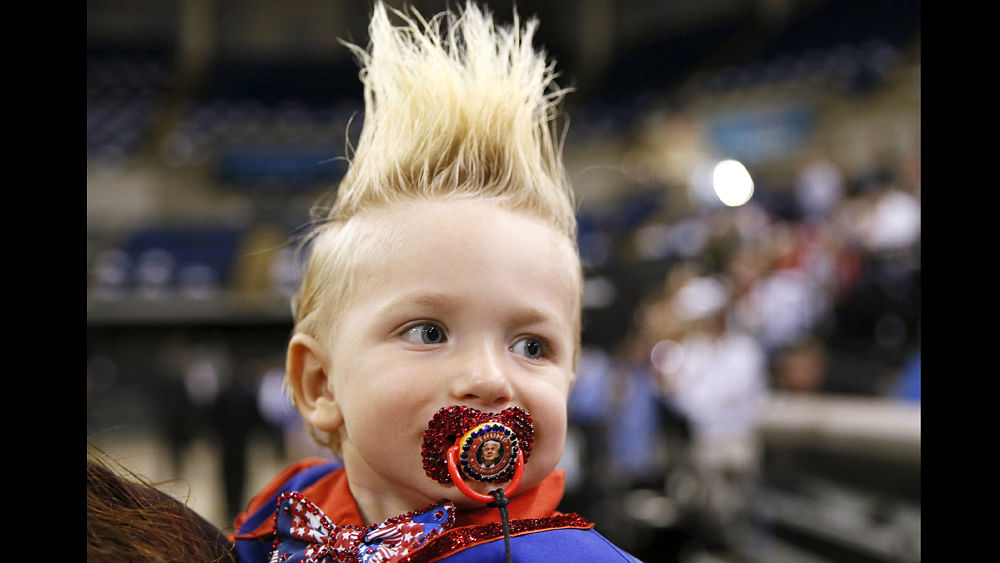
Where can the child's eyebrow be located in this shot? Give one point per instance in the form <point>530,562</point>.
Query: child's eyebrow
<point>430,300</point>
<point>446,303</point>
<point>535,315</point>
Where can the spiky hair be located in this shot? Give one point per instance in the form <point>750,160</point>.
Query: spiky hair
<point>456,105</point>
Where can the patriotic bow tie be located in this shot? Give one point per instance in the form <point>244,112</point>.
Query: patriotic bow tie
<point>305,534</point>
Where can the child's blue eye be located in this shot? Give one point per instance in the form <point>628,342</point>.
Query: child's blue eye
<point>529,348</point>
<point>425,334</point>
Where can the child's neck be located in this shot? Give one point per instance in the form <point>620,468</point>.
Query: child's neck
<point>377,501</point>
<point>374,507</point>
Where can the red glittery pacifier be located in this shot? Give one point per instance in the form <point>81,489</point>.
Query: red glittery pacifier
<point>463,443</point>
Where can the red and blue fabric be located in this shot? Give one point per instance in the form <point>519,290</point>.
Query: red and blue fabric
<point>330,528</point>
<point>303,533</point>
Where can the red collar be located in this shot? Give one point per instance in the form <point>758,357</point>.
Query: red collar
<point>332,494</point>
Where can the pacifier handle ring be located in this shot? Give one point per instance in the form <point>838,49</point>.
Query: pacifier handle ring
<point>456,477</point>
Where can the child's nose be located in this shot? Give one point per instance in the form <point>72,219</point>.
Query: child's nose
<point>481,380</point>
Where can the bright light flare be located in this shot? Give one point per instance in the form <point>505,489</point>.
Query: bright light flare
<point>732,183</point>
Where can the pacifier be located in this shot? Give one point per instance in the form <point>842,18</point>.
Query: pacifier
<point>463,443</point>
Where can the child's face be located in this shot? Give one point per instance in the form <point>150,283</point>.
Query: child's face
<point>475,306</point>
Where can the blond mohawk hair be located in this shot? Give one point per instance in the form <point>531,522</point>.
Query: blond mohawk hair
<point>455,105</point>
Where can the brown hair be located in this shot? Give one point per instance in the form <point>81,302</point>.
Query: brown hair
<point>128,519</point>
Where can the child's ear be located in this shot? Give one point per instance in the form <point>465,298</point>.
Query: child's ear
<point>308,368</point>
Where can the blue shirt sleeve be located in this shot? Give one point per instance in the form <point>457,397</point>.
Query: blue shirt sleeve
<point>549,546</point>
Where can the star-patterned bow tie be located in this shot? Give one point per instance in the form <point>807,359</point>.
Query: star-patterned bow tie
<point>303,533</point>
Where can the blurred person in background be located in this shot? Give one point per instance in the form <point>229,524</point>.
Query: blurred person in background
<point>234,416</point>
<point>801,367</point>
<point>179,418</point>
<point>716,377</point>
<point>639,421</point>
<point>201,393</point>
<point>907,387</point>
<point>783,303</point>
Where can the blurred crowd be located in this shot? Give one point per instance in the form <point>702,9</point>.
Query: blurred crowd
<point>819,296</point>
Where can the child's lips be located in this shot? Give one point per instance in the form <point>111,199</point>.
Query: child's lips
<point>449,425</point>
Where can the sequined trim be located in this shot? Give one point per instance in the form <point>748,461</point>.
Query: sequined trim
<point>450,423</point>
<point>325,541</point>
<point>457,539</point>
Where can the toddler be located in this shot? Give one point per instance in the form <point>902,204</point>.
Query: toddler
<point>437,326</point>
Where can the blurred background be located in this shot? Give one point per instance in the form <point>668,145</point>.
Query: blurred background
<point>748,177</point>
